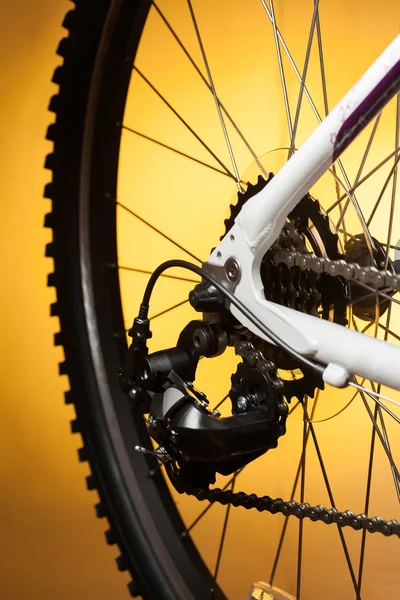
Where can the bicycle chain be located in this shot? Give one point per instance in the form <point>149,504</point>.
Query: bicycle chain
<point>299,510</point>
<point>339,268</point>
<point>350,272</point>
<point>246,350</point>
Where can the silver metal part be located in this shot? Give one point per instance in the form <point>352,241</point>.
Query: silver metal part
<point>265,591</point>
<point>370,276</point>
<point>241,404</point>
<point>220,272</point>
<point>232,270</point>
<point>174,436</point>
<point>159,453</point>
<point>132,394</point>
<point>151,422</point>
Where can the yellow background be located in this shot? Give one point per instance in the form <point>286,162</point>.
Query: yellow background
<point>52,546</point>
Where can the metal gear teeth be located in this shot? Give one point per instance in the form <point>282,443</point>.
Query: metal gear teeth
<point>251,191</point>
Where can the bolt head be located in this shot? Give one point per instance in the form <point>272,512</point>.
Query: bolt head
<point>241,404</point>
<point>133,394</point>
<point>232,269</point>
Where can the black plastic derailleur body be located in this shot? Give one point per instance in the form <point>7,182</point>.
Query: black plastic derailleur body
<point>194,442</point>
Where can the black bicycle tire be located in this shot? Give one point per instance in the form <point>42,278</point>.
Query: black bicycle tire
<point>143,520</point>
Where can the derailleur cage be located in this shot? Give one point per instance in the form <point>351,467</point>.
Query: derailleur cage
<point>196,442</point>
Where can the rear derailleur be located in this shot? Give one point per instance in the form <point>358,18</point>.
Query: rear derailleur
<point>193,441</point>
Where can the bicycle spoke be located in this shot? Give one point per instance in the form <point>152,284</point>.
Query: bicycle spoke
<point>371,295</point>
<point>292,495</point>
<point>367,327</point>
<point>135,68</point>
<point>367,234</point>
<point>379,292</point>
<point>365,178</point>
<point>200,162</point>
<point>222,541</point>
<point>135,270</point>
<point>385,435</point>
<point>373,395</point>
<point>284,528</point>
<point>302,489</point>
<point>164,235</point>
<point>386,409</point>
<point>293,64</point>
<point>163,312</point>
<point>394,186</point>
<point>332,501</point>
<point>367,499</point>
<point>325,95</point>
<point>221,402</point>
<point>363,391</point>
<point>286,521</point>
<point>318,116</point>
<point>370,465</point>
<point>160,314</point>
<point>281,69</point>
<point>391,246</point>
<point>360,170</point>
<point>303,77</point>
<point>322,65</point>
<point>339,412</point>
<point>193,62</point>
<point>391,174</point>
<point>211,82</point>
<point>389,331</point>
<point>294,408</point>
<point>205,510</point>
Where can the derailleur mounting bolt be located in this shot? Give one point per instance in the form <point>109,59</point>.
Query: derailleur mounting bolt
<point>232,270</point>
<point>241,404</point>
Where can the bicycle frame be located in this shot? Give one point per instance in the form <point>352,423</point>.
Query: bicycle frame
<point>344,352</point>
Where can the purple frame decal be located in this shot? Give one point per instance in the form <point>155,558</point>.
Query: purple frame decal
<point>367,109</point>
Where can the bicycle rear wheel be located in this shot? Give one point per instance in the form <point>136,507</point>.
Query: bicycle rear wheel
<point>94,99</point>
